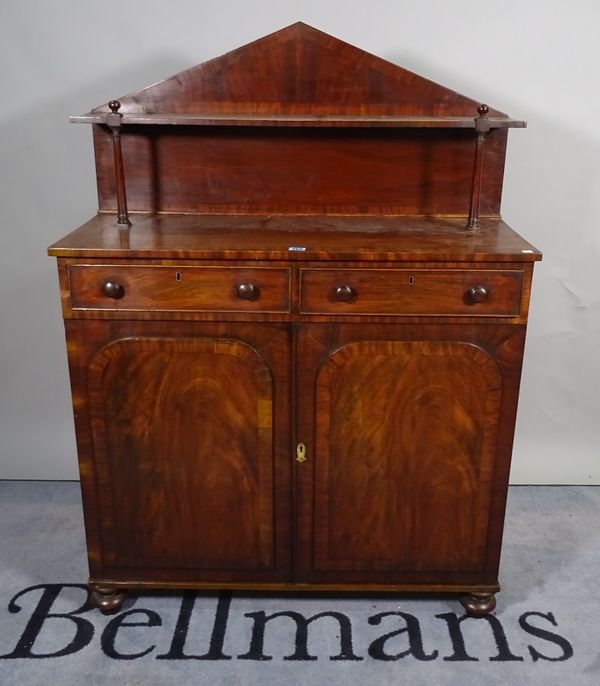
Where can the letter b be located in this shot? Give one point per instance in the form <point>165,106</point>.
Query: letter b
<point>84,629</point>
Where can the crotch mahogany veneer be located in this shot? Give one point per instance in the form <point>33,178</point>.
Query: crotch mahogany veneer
<point>295,330</point>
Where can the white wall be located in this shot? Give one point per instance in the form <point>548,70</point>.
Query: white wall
<point>535,59</point>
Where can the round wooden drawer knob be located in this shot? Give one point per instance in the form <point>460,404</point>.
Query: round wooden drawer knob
<point>113,289</point>
<point>248,291</point>
<point>344,293</point>
<point>478,294</point>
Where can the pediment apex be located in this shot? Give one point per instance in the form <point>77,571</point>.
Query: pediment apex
<point>298,70</point>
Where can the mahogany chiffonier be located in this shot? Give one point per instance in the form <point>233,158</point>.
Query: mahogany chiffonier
<point>295,330</point>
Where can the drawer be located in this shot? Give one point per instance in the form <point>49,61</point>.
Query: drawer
<point>156,288</point>
<point>411,292</point>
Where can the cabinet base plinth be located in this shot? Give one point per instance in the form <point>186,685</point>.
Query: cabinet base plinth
<point>108,600</point>
<point>478,604</point>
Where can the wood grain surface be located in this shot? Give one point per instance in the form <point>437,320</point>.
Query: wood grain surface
<point>411,450</point>
<point>299,171</point>
<point>187,456</point>
<point>404,450</point>
<point>237,237</point>
<point>298,70</point>
<point>181,288</point>
<point>410,291</point>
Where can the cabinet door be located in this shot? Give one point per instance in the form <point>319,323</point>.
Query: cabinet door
<point>407,432</point>
<point>187,464</point>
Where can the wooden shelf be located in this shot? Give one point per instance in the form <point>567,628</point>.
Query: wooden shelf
<point>300,120</point>
<point>255,237</point>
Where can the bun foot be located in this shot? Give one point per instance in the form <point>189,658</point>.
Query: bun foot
<point>107,600</point>
<point>478,604</point>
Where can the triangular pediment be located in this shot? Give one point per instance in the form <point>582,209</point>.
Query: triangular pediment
<point>298,70</point>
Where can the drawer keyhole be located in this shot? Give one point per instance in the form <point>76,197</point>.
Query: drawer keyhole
<point>177,276</point>
<point>411,280</point>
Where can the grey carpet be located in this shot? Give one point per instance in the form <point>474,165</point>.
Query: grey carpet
<point>551,560</point>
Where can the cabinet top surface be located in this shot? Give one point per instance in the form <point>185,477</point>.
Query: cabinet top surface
<point>257,237</point>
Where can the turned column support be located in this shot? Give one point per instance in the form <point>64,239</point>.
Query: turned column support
<point>482,126</point>
<point>114,121</point>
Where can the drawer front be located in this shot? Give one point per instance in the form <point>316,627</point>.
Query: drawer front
<point>159,288</point>
<point>411,292</point>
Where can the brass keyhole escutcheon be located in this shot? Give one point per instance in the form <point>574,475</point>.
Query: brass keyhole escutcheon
<point>301,453</point>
